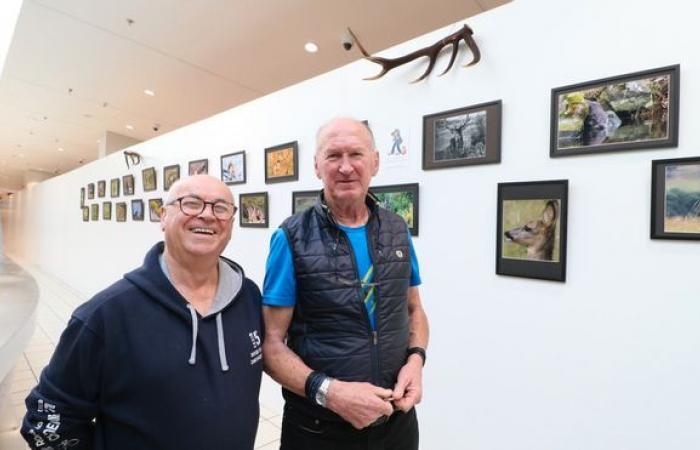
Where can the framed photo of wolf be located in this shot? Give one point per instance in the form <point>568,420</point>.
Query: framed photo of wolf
<point>401,199</point>
<point>628,112</point>
<point>254,210</point>
<point>462,137</point>
<point>531,229</point>
<point>675,198</point>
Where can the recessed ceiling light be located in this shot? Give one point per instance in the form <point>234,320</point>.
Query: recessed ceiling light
<point>60,149</point>
<point>311,47</point>
<point>149,92</point>
<point>129,127</point>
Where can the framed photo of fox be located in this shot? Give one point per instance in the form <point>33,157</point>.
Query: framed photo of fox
<point>531,229</point>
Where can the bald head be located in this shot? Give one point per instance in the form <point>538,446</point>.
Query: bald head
<point>331,129</point>
<point>199,185</point>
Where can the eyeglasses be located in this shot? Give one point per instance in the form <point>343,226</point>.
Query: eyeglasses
<point>194,206</point>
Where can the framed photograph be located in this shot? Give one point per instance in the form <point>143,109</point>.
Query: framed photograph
<point>149,179</point>
<point>91,191</point>
<point>401,199</point>
<point>170,175</point>
<point>107,210</point>
<point>282,162</point>
<point>462,137</point>
<point>531,229</point>
<point>101,188</point>
<point>154,207</point>
<point>95,212</point>
<point>254,210</point>
<point>128,184</point>
<point>86,213</point>
<point>82,197</point>
<point>233,168</point>
<point>114,187</point>
<point>137,210</point>
<point>121,211</point>
<point>675,198</point>
<point>198,167</point>
<point>302,200</point>
<point>627,112</point>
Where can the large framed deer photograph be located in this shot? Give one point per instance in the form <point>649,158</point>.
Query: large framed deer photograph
<point>531,229</point>
<point>675,198</point>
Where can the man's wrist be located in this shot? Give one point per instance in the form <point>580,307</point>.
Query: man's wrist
<point>316,388</point>
<point>420,351</point>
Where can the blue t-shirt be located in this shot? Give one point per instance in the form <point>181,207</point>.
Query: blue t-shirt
<point>280,288</point>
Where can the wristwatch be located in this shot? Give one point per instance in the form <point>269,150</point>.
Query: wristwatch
<point>322,392</point>
<point>418,350</point>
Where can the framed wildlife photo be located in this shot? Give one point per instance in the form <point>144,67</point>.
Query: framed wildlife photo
<point>121,211</point>
<point>154,207</point>
<point>149,179</point>
<point>82,197</point>
<point>233,168</point>
<point>114,187</point>
<point>531,229</point>
<point>137,210</point>
<point>462,137</point>
<point>302,200</point>
<point>107,210</point>
<point>401,199</point>
<point>675,198</point>
<point>91,191</point>
<point>86,213</point>
<point>254,210</point>
<point>282,163</point>
<point>128,184</point>
<point>101,188</point>
<point>170,175</point>
<point>95,212</point>
<point>198,167</point>
<point>627,112</point>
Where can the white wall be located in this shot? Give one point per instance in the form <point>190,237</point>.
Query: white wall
<point>608,360</point>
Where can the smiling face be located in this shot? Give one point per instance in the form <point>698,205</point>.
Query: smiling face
<point>345,161</point>
<point>188,237</point>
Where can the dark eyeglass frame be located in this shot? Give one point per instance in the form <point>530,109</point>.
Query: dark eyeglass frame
<point>204,206</point>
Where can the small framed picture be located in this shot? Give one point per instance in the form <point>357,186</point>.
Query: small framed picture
<point>254,210</point>
<point>82,197</point>
<point>128,184</point>
<point>462,137</point>
<point>170,175</point>
<point>121,211</point>
<point>86,213</point>
<point>198,167</point>
<point>114,187</point>
<point>95,212</point>
<point>106,210</point>
<point>282,162</point>
<point>149,179</point>
<point>101,188</point>
<point>233,168</point>
<point>675,198</point>
<point>137,210</point>
<point>302,200</point>
<point>91,191</point>
<point>531,229</point>
<point>401,199</point>
<point>627,112</point>
<point>155,205</point>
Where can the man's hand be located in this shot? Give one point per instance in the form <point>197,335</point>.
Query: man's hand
<point>408,390</point>
<point>359,403</point>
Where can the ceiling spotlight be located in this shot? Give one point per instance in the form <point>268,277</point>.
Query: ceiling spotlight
<point>129,127</point>
<point>311,47</point>
<point>60,149</point>
<point>149,92</point>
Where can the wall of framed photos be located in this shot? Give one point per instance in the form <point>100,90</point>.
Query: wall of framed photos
<point>606,359</point>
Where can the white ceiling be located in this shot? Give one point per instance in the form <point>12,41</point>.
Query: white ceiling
<point>77,68</point>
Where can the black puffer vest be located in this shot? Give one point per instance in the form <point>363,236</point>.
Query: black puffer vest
<point>330,329</point>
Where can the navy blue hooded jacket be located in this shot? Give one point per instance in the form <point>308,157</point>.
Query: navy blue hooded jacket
<point>126,360</point>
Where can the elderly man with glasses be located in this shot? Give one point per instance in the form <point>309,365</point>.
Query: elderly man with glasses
<point>167,357</point>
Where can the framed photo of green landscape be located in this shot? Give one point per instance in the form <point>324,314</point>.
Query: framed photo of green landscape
<point>675,198</point>
<point>627,112</point>
<point>401,199</point>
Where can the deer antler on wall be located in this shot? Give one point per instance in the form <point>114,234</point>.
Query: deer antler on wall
<point>431,52</point>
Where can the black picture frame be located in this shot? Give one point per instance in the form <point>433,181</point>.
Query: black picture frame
<point>675,211</point>
<point>170,175</point>
<point>610,115</point>
<point>254,210</point>
<point>95,212</point>
<point>86,213</point>
<point>137,210</point>
<point>106,210</point>
<point>114,187</point>
<point>198,167</point>
<point>302,200</point>
<point>149,179</point>
<point>155,205</point>
<point>82,197</point>
<point>233,168</point>
<point>101,188</point>
<point>120,211</point>
<point>278,160</point>
<point>128,185</point>
<point>91,191</point>
<point>465,136</point>
<point>527,213</point>
<point>383,194</point>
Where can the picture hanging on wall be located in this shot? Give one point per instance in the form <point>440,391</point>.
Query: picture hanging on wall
<point>170,175</point>
<point>114,187</point>
<point>675,198</point>
<point>121,211</point>
<point>91,191</point>
<point>149,179</point>
<point>101,188</point>
<point>401,199</point>
<point>128,184</point>
<point>462,137</point>
<point>107,210</point>
<point>254,210</point>
<point>155,205</point>
<point>137,210</point>
<point>95,212</point>
<point>627,112</point>
<point>302,200</point>
<point>82,197</point>
<point>198,167</point>
<point>233,168</point>
<point>86,213</point>
<point>531,229</point>
<point>282,162</point>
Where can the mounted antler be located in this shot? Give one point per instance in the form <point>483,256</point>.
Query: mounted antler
<point>431,52</point>
<point>134,157</point>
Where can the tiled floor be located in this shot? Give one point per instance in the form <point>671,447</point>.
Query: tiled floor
<point>56,303</point>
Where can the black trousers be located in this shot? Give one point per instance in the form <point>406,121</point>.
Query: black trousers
<point>301,432</point>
